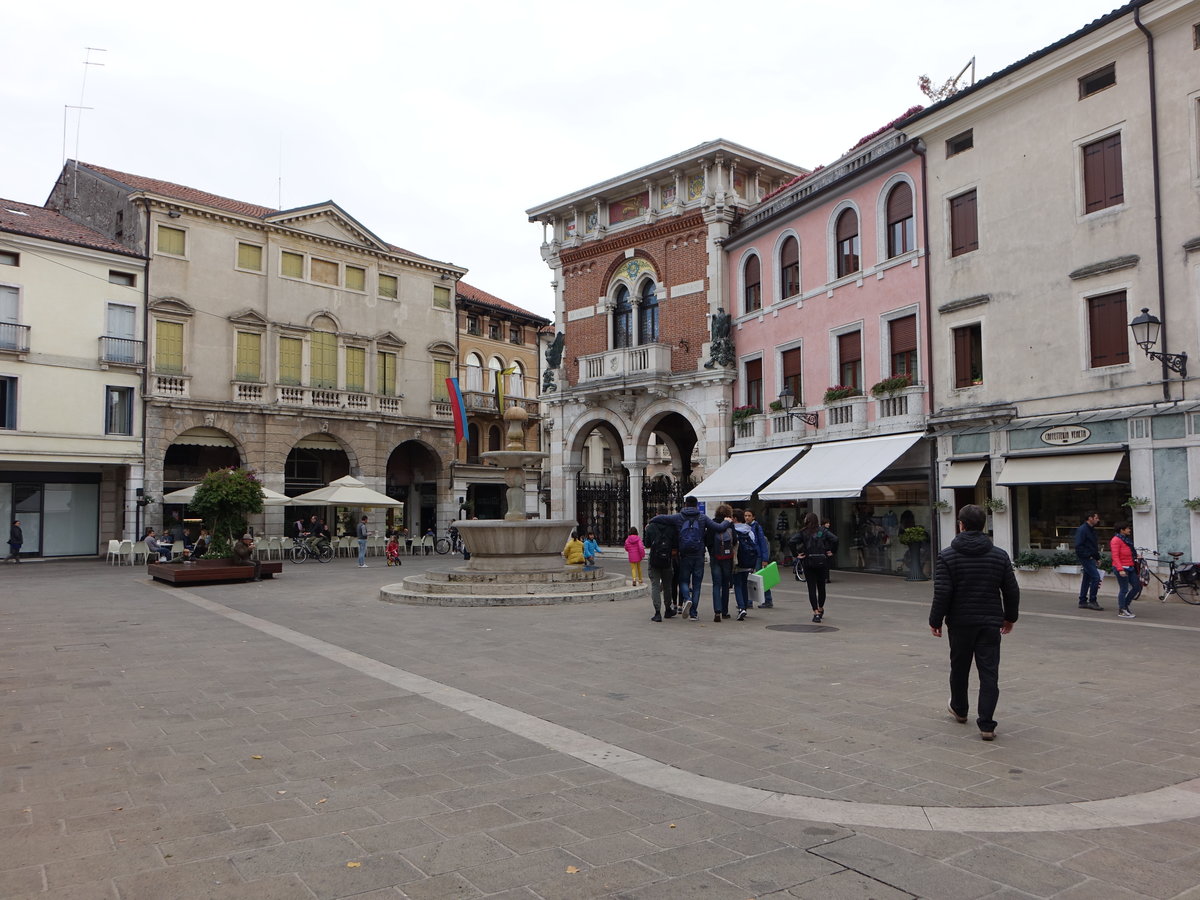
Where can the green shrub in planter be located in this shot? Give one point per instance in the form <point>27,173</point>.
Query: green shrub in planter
<point>1029,559</point>
<point>914,535</point>
<point>891,385</point>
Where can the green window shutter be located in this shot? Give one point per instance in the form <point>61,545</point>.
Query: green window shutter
<point>249,356</point>
<point>172,240</point>
<point>356,369</point>
<point>291,352</point>
<point>168,347</point>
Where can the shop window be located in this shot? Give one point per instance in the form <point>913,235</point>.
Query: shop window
<point>968,355</point>
<point>901,229</point>
<point>8,402</point>
<point>1103,183</point>
<point>249,356</point>
<point>172,241</point>
<point>789,268</point>
<point>1096,81</point>
<point>385,374</point>
<point>964,224</point>
<point>648,315</point>
<point>118,412</point>
<point>291,354</point>
<point>848,259</point>
<point>622,319</point>
<point>250,257</point>
<point>389,287</point>
<point>752,285</point>
<point>1108,331</point>
<point>168,347</point>
<point>754,383</point>
<point>790,365</point>
<point>850,360</point>
<point>902,341</point>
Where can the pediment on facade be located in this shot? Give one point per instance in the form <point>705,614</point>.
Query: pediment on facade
<point>441,348</point>
<point>172,305</point>
<point>329,220</point>
<point>249,317</point>
<point>389,338</point>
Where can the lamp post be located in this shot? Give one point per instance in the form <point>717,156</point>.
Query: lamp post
<point>788,401</point>
<point>1145,330</point>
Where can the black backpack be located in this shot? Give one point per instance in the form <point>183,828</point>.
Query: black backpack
<point>747,552</point>
<point>691,537</point>
<point>662,543</point>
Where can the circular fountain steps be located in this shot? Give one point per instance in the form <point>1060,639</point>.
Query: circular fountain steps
<point>462,587</point>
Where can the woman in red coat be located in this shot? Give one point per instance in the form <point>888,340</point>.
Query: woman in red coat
<point>1124,557</point>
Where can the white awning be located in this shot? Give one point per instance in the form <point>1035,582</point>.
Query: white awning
<point>839,468</point>
<point>964,474</point>
<point>1065,468</point>
<point>205,436</point>
<point>743,474</point>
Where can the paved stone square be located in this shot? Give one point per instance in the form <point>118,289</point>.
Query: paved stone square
<point>297,738</point>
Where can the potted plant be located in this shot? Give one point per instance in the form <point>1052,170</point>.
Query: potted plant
<point>837,392</point>
<point>224,498</point>
<point>1137,504</point>
<point>741,413</point>
<point>1193,504</point>
<point>776,406</point>
<point>889,386</point>
<point>941,506</point>
<point>1029,561</point>
<point>995,505</point>
<point>1065,563</point>
<point>914,538</point>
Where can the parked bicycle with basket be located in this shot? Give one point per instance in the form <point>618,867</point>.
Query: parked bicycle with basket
<point>1182,581</point>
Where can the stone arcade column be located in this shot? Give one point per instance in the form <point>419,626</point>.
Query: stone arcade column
<point>570,486</point>
<point>637,475</point>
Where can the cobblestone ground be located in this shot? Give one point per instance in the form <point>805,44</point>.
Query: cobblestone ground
<point>298,738</point>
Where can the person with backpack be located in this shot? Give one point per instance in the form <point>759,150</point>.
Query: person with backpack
<point>764,553</point>
<point>817,545</point>
<point>721,550</point>
<point>692,526</point>
<point>636,551</point>
<point>745,561</point>
<point>662,546</point>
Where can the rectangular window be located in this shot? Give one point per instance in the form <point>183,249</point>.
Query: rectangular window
<point>964,224</point>
<point>118,413</point>
<point>356,278</point>
<point>323,353</point>
<point>250,257</point>
<point>385,374</point>
<point>1103,184</point>
<point>291,355</point>
<point>790,360</point>
<point>441,296</point>
<point>291,265</point>
<point>1097,81</point>
<point>473,325</point>
<point>850,359</point>
<point>514,334</point>
<point>356,369</point>
<point>126,278</point>
<point>249,356</point>
<point>494,330</point>
<point>9,258</point>
<point>323,271</point>
<point>8,403</point>
<point>441,371</point>
<point>902,338</point>
<point>168,347</point>
<point>754,383</point>
<point>968,355</point>
<point>389,287</point>
<point>121,323</point>
<point>11,336</point>
<point>1108,330</point>
<point>960,143</point>
<point>172,241</point>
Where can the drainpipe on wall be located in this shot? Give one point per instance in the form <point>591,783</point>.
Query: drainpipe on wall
<point>1158,236</point>
<point>137,529</point>
<point>918,148</point>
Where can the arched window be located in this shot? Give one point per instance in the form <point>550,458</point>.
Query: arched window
<point>847,243</point>
<point>474,372</point>
<point>752,285</point>
<point>472,442</point>
<point>495,366</point>
<point>648,315</point>
<point>622,319</point>
<point>901,228</point>
<point>494,438</point>
<point>324,353</point>
<point>516,381</point>
<point>789,268</point>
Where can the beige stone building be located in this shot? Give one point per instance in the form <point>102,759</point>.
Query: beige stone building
<point>498,345</point>
<point>295,342</point>
<point>72,353</point>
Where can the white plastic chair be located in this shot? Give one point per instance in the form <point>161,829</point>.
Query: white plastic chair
<point>140,553</point>
<point>375,545</point>
<point>285,547</point>
<point>125,549</point>
<point>114,551</point>
<point>267,546</point>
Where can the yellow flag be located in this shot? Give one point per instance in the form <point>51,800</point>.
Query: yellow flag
<point>500,376</point>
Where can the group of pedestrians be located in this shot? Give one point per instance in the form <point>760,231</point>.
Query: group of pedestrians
<point>1124,565</point>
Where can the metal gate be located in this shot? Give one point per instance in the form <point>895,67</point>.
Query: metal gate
<point>662,495</point>
<point>602,506</point>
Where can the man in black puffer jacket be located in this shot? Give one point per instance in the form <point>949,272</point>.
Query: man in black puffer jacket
<point>975,593</point>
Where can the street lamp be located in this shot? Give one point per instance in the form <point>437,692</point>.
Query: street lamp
<point>788,401</point>
<point>1145,330</point>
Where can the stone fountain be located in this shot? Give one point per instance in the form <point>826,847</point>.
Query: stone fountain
<point>515,561</point>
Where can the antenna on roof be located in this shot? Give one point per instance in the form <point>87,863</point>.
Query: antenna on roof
<point>279,180</point>
<point>87,61</point>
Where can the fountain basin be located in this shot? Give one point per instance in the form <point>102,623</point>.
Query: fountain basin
<point>528,545</point>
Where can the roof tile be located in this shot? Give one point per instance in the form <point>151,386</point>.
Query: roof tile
<point>39,222</point>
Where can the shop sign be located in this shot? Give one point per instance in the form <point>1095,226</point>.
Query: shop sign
<point>1066,434</point>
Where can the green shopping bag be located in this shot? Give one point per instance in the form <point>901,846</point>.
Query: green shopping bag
<point>769,574</point>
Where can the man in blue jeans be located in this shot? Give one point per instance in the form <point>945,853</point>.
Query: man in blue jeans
<point>362,543</point>
<point>693,527</point>
<point>1087,551</point>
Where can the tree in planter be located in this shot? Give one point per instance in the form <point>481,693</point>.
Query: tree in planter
<point>223,499</point>
<point>914,538</point>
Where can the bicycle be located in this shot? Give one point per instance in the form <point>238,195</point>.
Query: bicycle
<point>302,551</point>
<point>798,568</point>
<point>445,545</point>
<point>1181,580</point>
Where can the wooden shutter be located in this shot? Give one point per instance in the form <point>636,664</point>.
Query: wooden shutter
<point>1108,332</point>
<point>964,224</point>
<point>899,204</point>
<point>291,352</point>
<point>249,365</point>
<point>1103,182</point>
<point>850,347</point>
<point>356,369</point>
<point>903,334</point>
<point>385,374</point>
<point>754,383</point>
<point>963,344</point>
<point>789,268</point>
<point>752,299</point>
<point>847,226</point>
<point>168,347</point>
<point>791,361</point>
<point>441,371</point>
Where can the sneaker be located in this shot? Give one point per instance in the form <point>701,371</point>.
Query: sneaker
<point>1125,614</point>
<point>717,617</point>
<point>687,607</point>
<point>816,618</point>
<point>668,615</point>
<point>724,615</point>
<point>766,606</point>
<point>741,615</point>
<point>957,718</point>
<point>693,618</point>
<point>363,566</point>
<point>1083,604</point>
<point>656,618</point>
<point>1096,606</point>
<point>987,735</point>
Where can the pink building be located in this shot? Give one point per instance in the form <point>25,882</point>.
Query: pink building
<point>827,279</point>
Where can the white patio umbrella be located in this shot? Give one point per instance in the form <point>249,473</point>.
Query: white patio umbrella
<point>345,491</point>
<point>188,494</point>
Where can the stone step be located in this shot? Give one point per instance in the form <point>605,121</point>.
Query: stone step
<point>424,585</point>
<point>413,591</point>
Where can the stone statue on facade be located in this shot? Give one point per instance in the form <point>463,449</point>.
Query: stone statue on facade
<point>554,355</point>
<point>722,345</point>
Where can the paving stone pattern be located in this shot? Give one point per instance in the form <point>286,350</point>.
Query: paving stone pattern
<point>151,748</point>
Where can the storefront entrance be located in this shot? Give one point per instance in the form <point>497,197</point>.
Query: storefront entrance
<point>59,517</point>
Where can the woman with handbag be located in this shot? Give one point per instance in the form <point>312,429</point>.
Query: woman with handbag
<point>817,546</point>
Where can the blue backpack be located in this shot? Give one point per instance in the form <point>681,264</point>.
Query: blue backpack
<point>747,555</point>
<point>691,537</point>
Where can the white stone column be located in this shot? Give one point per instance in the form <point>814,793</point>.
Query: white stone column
<point>637,475</point>
<point>570,484</point>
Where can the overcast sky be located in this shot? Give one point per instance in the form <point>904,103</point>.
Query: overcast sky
<point>437,124</point>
